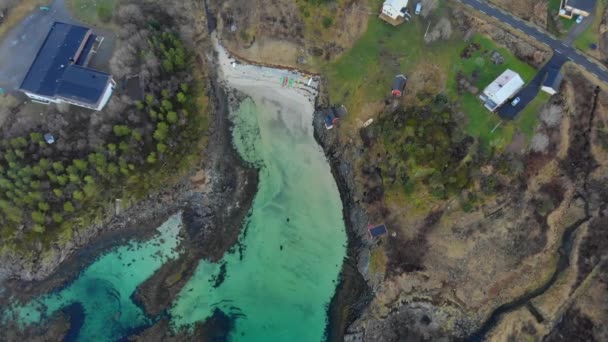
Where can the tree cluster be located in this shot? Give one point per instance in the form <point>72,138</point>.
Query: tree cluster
<point>47,190</point>
<point>423,145</point>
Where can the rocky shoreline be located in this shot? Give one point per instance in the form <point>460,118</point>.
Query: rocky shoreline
<point>352,294</point>
<point>212,221</point>
<point>214,199</point>
<point>223,201</point>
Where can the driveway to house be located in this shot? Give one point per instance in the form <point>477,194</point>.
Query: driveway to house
<point>529,92</point>
<point>21,43</point>
<point>578,29</point>
<point>545,38</point>
<point>562,52</point>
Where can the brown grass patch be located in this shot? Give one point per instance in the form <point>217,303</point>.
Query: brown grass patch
<point>17,13</point>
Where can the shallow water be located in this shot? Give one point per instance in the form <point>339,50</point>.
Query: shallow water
<point>280,286</point>
<point>276,286</point>
<point>104,288</point>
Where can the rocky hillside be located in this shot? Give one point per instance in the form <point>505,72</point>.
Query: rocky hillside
<point>291,33</point>
<point>501,242</point>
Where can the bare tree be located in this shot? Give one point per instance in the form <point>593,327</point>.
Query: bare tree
<point>539,143</point>
<point>5,5</point>
<point>130,13</point>
<point>441,30</point>
<point>551,115</point>
<point>428,6</point>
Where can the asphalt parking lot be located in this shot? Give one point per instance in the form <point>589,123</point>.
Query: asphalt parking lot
<point>19,46</point>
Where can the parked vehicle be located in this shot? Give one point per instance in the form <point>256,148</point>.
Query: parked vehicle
<point>579,19</point>
<point>515,101</point>
<point>418,8</point>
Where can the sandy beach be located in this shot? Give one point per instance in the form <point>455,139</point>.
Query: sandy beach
<point>298,95</point>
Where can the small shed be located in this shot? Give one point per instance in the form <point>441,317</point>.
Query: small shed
<point>333,115</point>
<point>49,138</point>
<point>330,118</point>
<point>553,81</point>
<point>399,85</point>
<point>376,231</point>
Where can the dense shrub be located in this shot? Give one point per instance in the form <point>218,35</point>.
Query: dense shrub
<point>46,191</point>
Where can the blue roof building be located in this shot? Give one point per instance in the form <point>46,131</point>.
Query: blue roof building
<point>376,231</point>
<point>330,118</point>
<point>59,73</point>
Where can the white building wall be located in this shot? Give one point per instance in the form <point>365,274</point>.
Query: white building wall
<point>549,90</point>
<point>389,11</point>
<point>106,95</point>
<point>392,8</point>
<point>42,98</point>
<point>102,103</point>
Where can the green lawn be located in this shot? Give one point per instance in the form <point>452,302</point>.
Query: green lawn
<point>481,122</point>
<point>553,11</point>
<point>527,120</point>
<point>364,74</point>
<point>93,12</point>
<point>366,71</point>
<point>554,5</point>
<point>591,35</point>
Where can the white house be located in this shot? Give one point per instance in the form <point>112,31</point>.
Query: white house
<point>501,89</point>
<point>59,73</point>
<point>552,82</point>
<point>393,11</point>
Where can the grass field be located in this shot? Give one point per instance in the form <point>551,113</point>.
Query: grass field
<point>92,12</point>
<point>364,74</point>
<point>591,35</point>
<point>527,120</point>
<point>482,123</point>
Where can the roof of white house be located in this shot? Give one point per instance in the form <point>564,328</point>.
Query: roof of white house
<point>396,4</point>
<point>583,5</point>
<point>503,87</point>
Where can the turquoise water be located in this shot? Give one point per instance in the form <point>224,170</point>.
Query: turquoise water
<point>278,294</point>
<point>104,288</point>
<point>276,287</point>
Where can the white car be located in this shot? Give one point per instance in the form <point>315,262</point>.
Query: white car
<point>579,19</point>
<point>515,101</point>
<point>418,8</point>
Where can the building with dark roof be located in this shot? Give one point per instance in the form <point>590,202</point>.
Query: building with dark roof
<point>59,73</point>
<point>398,85</point>
<point>376,231</point>
<point>570,8</point>
<point>330,118</point>
<point>553,81</point>
<point>333,115</point>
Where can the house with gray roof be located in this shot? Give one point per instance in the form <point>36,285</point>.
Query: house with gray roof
<point>59,72</point>
<point>570,8</point>
<point>552,82</point>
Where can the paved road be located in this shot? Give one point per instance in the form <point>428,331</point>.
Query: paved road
<point>559,47</point>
